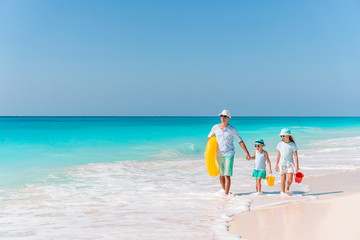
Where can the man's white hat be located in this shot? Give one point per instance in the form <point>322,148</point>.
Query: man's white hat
<point>226,113</point>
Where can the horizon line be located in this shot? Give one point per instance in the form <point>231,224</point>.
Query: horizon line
<point>109,116</point>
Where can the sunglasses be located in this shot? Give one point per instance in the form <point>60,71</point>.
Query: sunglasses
<point>223,116</point>
<point>282,136</point>
<point>257,145</point>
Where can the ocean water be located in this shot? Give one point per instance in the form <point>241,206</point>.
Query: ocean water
<point>145,177</point>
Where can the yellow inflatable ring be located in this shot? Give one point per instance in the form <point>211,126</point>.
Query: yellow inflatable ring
<point>210,157</point>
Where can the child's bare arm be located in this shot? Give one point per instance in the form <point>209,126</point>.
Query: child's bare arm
<point>268,161</point>
<point>277,162</point>
<point>253,158</point>
<point>296,161</point>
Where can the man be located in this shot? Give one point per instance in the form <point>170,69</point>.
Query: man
<point>225,134</point>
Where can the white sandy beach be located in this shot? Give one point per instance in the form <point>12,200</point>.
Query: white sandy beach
<point>334,215</point>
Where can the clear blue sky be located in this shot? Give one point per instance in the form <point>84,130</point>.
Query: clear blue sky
<point>255,58</point>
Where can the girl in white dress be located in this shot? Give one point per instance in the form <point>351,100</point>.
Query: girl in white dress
<point>287,152</point>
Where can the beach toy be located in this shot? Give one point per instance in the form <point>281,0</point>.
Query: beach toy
<point>270,180</point>
<point>210,157</point>
<point>298,177</point>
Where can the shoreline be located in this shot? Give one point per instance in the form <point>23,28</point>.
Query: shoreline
<point>332,215</point>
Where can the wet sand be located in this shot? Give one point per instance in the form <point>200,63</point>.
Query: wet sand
<point>334,215</point>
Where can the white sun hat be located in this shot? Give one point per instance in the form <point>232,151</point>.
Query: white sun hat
<point>226,113</point>
<point>285,131</point>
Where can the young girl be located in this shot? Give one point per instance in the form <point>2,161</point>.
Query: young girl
<point>287,151</point>
<point>260,157</point>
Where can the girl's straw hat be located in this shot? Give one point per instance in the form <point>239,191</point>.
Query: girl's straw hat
<point>260,142</point>
<point>285,131</point>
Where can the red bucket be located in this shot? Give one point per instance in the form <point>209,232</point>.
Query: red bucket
<point>298,177</point>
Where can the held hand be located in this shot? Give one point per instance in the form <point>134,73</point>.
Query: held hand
<point>277,168</point>
<point>270,172</point>
<point>247,157</point>
<point>297,169</point>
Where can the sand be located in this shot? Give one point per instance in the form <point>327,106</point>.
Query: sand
<point>334,215</point>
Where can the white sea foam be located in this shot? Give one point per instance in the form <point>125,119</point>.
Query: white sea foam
<point>152,200</point>
<point>331,155</point>
<point>132,200</point>
<point>149,200</point>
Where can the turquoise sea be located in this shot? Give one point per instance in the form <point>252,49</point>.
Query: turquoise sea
<point>32,147</point>
<point>145,177</point>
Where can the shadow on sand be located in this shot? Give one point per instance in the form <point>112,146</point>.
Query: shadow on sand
<point>294,192</point>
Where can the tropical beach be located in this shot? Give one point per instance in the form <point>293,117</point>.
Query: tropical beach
<point>162,119</point>
<point>97,187</point>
